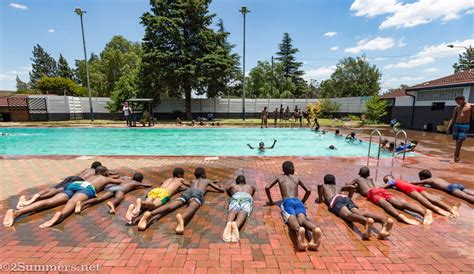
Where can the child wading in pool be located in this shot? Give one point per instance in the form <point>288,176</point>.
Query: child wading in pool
<point>419,194</point>
<point>381,197</point>
<point>116,191</point>
<point>293,210</point>
<point>343,207</point>
<point>457,190</point>
<point>193,197</point>
<point>240,207</point>
<point>157,196</point>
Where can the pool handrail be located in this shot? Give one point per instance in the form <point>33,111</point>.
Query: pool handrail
<point>370,142</point>
<point>395,142</point>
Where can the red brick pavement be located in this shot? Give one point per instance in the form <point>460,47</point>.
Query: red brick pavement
<point>97,238</point>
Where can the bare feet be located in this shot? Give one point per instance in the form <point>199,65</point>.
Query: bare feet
<point>9,218</point>
<point>386,229</point>
<point>78,208</point>
<point>21,202</point>
<point>179,224</point>
<point>138,208</point>
<point>235,236</point>
<point>316,240</point>
<point>454,211</point>
<point>368,229</point>
<point>300,240</point>
<point>226,236</point>
<point>51,222</point>
<point>408,220</point>
<point>428,218</point>
<point>142,225</point>
<point>129,215</point>
<point>111,208</point>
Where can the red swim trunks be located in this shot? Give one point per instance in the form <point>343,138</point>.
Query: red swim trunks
<point>405,186</point>
<point>376,194</point>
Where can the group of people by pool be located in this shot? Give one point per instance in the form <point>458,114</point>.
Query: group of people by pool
<point>97,184</point>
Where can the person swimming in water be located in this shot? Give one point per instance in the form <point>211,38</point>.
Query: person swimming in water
<point>332,147</point>
<point>352,137</point>
<point>261,146</point>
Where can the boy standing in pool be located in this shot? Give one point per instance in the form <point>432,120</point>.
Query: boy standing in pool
<point>457,190</point>
<point>261,146</point>
<point>116,191</point>
<point>293,210</point>
<point>343,207</point>
<point>240,207</point>
<point>157,196</point>
<point>193,197</point>
<point>381,197</point>
<point>419,194</point>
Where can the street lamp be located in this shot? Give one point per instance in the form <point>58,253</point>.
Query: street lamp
<point>244,12</point>
<point>453,46</point>
<point>80,12</point>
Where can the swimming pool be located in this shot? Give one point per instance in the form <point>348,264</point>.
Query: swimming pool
<point>175,141</point>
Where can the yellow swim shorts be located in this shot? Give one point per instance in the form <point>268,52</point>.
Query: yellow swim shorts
<point>160,193</point>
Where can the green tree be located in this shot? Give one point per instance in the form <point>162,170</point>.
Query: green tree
<point>20,85</point>
<point>466,60</point>
<point>126,88</point>
<point>352,77</point>
<point>59,86</point>
<point>292,68</point>
<point>376,108</point>
<point>42,65</point>
<point>63,68</point>
<point>180,50</point>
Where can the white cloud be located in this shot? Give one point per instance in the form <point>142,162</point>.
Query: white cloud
<point>470,12</point>
<point>431,70</point>
<point>334,48</point>
<point>51,30</point>
<point>405,15</point>
<point>396,81</point>
<point>320,73</point>
<point>430,53</point>
<point>330,34</point>
<point>6,77</point>
<point>380,59</point>
<point>401,42</point>
<point>18,6</point>
<point>379,43</point>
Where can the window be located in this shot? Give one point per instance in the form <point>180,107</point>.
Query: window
<point>437,106</point>
<point>438,94</point>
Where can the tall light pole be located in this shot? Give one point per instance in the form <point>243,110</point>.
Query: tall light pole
<point>453,46</point>
<point>80,12</point>
<point>244,11</point>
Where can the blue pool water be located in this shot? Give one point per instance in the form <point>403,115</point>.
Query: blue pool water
<point>175,141</point>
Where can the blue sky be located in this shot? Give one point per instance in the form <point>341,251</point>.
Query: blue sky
<point>405,39</point>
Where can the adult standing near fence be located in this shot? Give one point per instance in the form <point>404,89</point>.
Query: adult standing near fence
<point>282,109</point>
<point>462,116</point>
<point>264,117</point>
<point>127,112</point>
<point>275,117</point>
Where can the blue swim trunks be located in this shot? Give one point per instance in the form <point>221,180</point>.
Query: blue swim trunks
<point>292,206</point>
<point>452,187</point>
<point>460,131</point>
<point>83,187</point>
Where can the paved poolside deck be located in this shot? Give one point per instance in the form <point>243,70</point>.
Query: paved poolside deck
<point>97,238</point>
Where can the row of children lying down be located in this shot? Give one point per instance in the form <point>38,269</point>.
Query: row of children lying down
<point>95,185</point>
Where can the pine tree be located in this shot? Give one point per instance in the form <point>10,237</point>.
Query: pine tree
<point>466,60</point>
<point>286,56</point>
<point>20,85</point>
<point>63,68</point>
<point>42,65</point>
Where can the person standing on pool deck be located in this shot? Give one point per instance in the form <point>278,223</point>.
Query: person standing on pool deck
<point>275,117</point>
<point>282,109</point>
<point>157,196</point>
<point>261,146</point>
<point>455,189</point>
<point>419,194</point>
<point>128,113</point>
<point>116,191</point>
<point>381,197</point>
<point>240,207</point>
<point>50,192</point>
<point>343,207</point>
<point>293,210</point>
<point>193,197</point>
<point>264,118</point>
<point>462,116</point>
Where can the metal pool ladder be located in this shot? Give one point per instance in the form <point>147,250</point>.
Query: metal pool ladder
<point>375,131</point>
<point>395,141</point>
